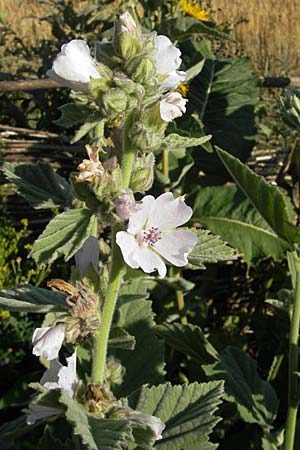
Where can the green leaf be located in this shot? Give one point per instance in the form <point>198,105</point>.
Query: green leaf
<point>224,96</point>
<point>72,114</point>
<point>120,338</point>
<point>189,340</point>
<point>182,28</point>
<point>49,442</point>
<point>97,433</point>
<point>187,411</point>
<point>255,398</point>
<point>227,213</point>
<point>145,364</point>
<point>88,126</point>
<point>39,184</point>
<point>175,141</point>
<point>268,200</point>
<point>10,431</point>
<point>64,235</point>
<point>32,299</point>
<point>209,249</point>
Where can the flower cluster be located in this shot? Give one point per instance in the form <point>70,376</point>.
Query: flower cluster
<point>75,68</point>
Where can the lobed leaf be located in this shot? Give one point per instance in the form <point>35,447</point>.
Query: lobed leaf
<point>255,398</point>
<point>209,249</point>
<point>189,340</point>
<point>39,184</point>
<point>64,235</point>
<point>72,114</point>
<point>187,411</point>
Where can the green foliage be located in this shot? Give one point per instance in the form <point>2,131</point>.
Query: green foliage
<point>28,298</point>
<point>209,249</point>
<point>146,363</point>
<point>189,340</point>
<point>268,200</point>
<point>229,214</point>
<point>187,411</point>
<point>255,398</point>
<point>64,235</point>
<point>39,184</point>
<point>224,95</point>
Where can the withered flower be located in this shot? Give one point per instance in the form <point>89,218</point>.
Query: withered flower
<point>92,167</point>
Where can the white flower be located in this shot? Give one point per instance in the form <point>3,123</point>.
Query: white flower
<point>47,341</point>
<point>151,234</point>
<point>156,425</point>
<point>167,59</point>
<point>172,105</point>
<point>88,254</point>
<point>61,377</point>
<point>126,24</point>
<point>73,66</point>
<point>56,377</point>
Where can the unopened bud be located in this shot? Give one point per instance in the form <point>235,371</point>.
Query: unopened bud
<point>114,371</point>
<point>127,36</point>
<point>142,69</point>
<point>114,102</point>
<point>143,173</point>
<point>124,204</point>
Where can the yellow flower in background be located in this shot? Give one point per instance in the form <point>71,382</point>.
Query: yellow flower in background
<point>193,8</point>
<point>4,314</point>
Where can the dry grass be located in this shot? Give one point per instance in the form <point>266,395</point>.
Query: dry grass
<point>270,34</point>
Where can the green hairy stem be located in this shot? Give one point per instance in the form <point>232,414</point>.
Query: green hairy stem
<point>117,270</point>
<point>293,401</point>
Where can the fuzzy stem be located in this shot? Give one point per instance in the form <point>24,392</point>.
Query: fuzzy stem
<point>293,401</point>
<point>117,270</point>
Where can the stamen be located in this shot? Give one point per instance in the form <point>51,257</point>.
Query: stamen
<point>151,236</point>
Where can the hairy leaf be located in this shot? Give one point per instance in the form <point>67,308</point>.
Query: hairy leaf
<point>97,433</point>
<point>49,442</point>
<point>72,114</point>
<point>224,95</point>
<point>255,398</point>
<point>268,200</point>
<point>32,299</point>
<point>39,184</point>
<point>189,340</point>
<point>209,249</point>
<point>227,213</point>
<point>64,235</point>
<point>145,364</point>
<point>175,141</point>
<point>187,411</point>
<point>120,338</point>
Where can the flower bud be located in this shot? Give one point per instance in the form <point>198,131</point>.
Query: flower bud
<point>145,138</point>
<point>114,102</point>
<point>143,173</point>
<point>127,36</point>
<point>124,204</point>
<point>142,69</point>
<point>114,371</point>
<point>290,106</point>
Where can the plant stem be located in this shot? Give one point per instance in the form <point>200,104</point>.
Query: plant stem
<point>180,303</point>
<point>117,270</point>
<point>293,401</point>
<point>101,337</point>
<point>165,165</point>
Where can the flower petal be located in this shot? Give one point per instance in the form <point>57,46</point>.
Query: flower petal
<point>175,246</point>
<point>172,105</point>
<point>167,56</point>
<point>154,423</point>
<point>168,212</point>
<point>149,261</point>
<point>36,412</point>
<point>74,64</point>
<point>139,214</point>
<point>47,341</point>
<point>173,80</point>
<point>128,245</point>
<point>50,377</point>
<point>67,378</point>
<point>88,254</point>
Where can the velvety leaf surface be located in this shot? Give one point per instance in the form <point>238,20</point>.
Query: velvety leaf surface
<point>32,299</point>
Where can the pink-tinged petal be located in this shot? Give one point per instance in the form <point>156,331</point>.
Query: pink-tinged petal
<point>128,244</point>
<point>139,214</point>
<point>168,212</point>
<point>149,261</point>
<point>88,255</point>
<point>175,246</point>
<point>47,341</point>
<point>167,56</point>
